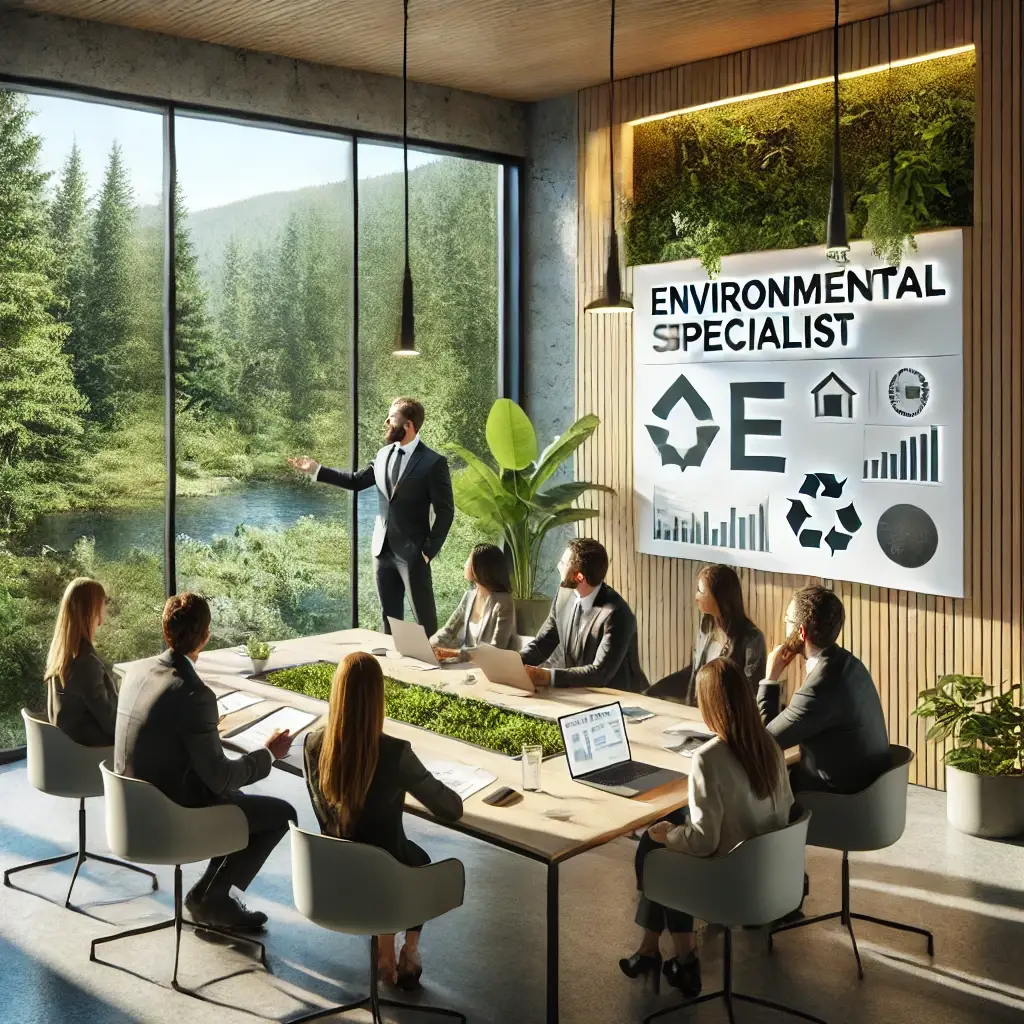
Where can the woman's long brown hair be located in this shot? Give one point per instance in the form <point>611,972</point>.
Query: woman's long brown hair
<point>727,703</point>
<point>724,586</point>
<point>79,611</point>
<point>351,745</point>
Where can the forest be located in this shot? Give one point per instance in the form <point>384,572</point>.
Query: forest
<point>264,328</point>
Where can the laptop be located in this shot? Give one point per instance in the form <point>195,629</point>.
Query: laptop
<point>501,666</point>
<point>411,641</point>
<point>597,749</point>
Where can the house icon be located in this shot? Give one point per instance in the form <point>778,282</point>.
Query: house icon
<point>833,398</point>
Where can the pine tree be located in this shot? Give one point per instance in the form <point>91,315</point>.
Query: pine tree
<point>69,217</point>
<point>296,357</point>
<point>101,345</point>
<point>199,366</point>
<point>39,406</point>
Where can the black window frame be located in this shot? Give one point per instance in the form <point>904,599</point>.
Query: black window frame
<point>510,255</point>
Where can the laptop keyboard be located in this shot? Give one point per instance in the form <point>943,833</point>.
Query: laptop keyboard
<point>621,774</point>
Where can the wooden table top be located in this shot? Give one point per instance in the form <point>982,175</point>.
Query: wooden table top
<point>595,817</point>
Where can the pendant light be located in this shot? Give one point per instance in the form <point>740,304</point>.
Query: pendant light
<point>837,246</point>
<point>611,300</point>
<point>406,345</point>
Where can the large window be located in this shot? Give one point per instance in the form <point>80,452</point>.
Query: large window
<point>81,378</point>
<point>264,320</point>
<point>265,339</point>
<point>454,208</point>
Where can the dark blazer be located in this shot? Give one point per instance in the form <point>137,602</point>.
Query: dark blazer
<point>836,719</point>
<point>404,520</point>
<point>167,735</point>
<point>399,771</point>
<point>497,623</point>
<point>747,649</point>
<point>84,705</point>
<point>605,653</point>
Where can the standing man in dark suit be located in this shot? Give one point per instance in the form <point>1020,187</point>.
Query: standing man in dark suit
<point>411,479</point>
<point>594,625</point>
<point>836,716</point>
<point>166,734</point>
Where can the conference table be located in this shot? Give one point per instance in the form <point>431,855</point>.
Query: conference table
<point>553,825</point>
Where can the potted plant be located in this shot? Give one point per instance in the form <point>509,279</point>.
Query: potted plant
<point>507,500</point>
<point>259,651</point>
<point>985,765</point>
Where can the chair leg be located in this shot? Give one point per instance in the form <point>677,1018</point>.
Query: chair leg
<point>80,856</point>
<point>899,927</point>
<point>177,923</point>
<point>778,1007</point>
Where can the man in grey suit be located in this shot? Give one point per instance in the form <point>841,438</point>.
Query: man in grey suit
<point>166,734</point>
<point>411,480</point>
<point>594,625</point>
<point>836,716</point>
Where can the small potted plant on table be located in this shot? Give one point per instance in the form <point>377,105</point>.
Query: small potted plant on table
<point>985,765</point>
<point>259,651</point>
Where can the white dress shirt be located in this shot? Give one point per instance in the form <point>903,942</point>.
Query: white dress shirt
<point>407,450</point>
<point>808,669</point>
<point>586,603</point>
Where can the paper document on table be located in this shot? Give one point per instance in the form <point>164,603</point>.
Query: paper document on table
<point>235,701</point>
<point>688,728</point>
<point>257,735</point>
<point>463,778</point>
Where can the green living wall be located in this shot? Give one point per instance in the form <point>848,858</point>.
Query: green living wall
<point>755,175</point>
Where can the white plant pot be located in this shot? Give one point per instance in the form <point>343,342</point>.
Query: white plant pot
<point>259,665</point>
<point>985,805</point>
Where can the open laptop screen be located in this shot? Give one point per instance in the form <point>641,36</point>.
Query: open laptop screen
<point>594,739</point>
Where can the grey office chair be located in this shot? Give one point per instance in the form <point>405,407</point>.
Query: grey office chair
<point>144,825</point>
<point>872,819</point>
<point>60,767</point>
<point>362,890</point>
<point>756,882</point>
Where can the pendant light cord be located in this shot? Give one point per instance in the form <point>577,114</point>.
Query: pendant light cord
<point>405,119</point>
<point>835,75</point>
<point>611,115</point>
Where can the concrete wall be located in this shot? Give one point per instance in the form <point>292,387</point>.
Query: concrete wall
<point>96,55</point>
<point>551,287</point>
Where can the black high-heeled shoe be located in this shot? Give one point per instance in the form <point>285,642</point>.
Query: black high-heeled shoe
<point>645,965</point>
<point>684,976</point>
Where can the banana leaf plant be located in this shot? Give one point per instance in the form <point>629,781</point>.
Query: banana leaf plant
<point>507,500</point>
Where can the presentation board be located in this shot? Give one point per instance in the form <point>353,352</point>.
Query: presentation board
<point>802,417</point>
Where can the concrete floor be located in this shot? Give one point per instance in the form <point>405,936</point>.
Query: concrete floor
<point>487,959</point>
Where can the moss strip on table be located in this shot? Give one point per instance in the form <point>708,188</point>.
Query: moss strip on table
<point>446,714</point>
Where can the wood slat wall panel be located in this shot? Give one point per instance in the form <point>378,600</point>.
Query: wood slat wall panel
<point>906,639</point>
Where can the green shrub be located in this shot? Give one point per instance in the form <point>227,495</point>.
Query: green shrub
<point>446,714</point>
<point>755,175</point>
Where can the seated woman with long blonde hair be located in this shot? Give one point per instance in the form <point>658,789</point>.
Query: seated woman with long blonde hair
<point>739,788</point>
<point>358,778</point>
<point>81,699</point>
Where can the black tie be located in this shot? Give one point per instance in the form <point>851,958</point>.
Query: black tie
<point>574,625</point>
<point>396,470</point>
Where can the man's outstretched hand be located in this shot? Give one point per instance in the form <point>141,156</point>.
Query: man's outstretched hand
<point>279,743</point>
<point>303,463</point>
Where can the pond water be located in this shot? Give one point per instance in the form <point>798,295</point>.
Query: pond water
<point>266,505</point>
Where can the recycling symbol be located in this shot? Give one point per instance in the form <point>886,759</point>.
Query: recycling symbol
<point>682,390</point>
<point>821,491</point>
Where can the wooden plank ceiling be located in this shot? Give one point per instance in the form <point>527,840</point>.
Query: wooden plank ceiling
<point>516,49</point>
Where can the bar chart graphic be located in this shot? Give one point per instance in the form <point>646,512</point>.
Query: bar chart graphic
<point>901,455</point>
<point>742,526</point>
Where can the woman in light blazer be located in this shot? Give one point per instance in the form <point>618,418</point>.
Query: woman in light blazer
<point>486,614</point>
<point>81,699</point>
<point>739,788</point>
<point>725,631</point>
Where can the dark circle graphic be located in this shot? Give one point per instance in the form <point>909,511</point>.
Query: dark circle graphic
<point>908,536</point>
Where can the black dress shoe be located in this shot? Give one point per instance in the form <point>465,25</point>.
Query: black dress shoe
<point>684,975</point>
<point>643,965</point>
<point>225,912</point>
